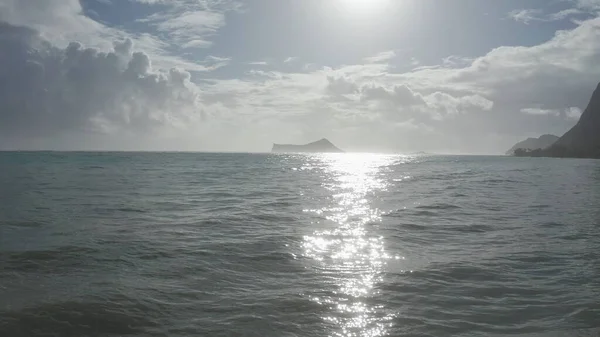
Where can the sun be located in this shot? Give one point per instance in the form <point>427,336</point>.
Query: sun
<point>362,5</point>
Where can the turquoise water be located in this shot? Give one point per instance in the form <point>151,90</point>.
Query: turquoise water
<point>159,244</point>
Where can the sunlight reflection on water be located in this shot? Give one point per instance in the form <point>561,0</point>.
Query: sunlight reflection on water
<point>350,254</point>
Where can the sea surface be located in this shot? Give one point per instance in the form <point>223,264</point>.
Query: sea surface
<point>283,245</point>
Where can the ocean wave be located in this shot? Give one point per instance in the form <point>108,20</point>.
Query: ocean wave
<point>48,261</point>
<point>216,245</point>
<point>123,317</point>
<point>439,206</point>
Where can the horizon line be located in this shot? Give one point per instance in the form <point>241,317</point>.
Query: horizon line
<point>258,152</point>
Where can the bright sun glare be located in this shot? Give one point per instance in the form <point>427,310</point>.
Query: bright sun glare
<point>362,7</point>
<point>358,5</point>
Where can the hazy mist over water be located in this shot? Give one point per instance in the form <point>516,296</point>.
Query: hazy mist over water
<point>167,244</point>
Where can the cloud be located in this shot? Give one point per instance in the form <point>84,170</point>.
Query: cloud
<point>188,24</point>
<point>471,103</point>
<point>573,113</point>
<point>58,20</point>
<point>63,21</point>
<point>152,2</point>
<point>339,86</point>
<point>400,95</point>
<point>381,57</point>
<point>558,73</point>
<point>525,15</point>
<point>290,59</point>
<point>583,9</point>
<point>588,4</point>
<point>565,13</point>
<point>454,61</point>
<point>47,91</point>
<point>186,27</point>
<point>215,62</point>
<point>528,16</point>
<point>540,112</point>
<point>439,104</point>
<point>330,100</point>
<point>474,103</point>
<point>451,105</point>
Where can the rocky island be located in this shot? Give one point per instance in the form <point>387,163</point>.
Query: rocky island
<point>582,141</point>
<point>320,146</point>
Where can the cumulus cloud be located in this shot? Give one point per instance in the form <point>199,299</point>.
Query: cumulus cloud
<point>452,105</point>
<point>438,104</point>
<point>573,113</point>
<point>47,90</point>
<point>557,74</point>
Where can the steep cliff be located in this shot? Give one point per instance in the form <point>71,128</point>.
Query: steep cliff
<point>583,140</point>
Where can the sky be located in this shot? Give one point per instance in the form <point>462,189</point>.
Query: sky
<point>396,76</point>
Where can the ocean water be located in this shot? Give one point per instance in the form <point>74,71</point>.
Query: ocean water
<point>181,244</point>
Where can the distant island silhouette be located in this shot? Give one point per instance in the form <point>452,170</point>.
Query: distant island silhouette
<point>320,146</point>
<point>582,141</point>
<point>530,144</point>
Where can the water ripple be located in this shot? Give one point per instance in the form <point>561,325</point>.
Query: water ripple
<point>142,244</point>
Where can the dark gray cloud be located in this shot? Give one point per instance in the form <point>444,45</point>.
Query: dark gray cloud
<point>46,90</point>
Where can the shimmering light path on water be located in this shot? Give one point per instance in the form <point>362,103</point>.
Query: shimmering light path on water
<point>349,255</point>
